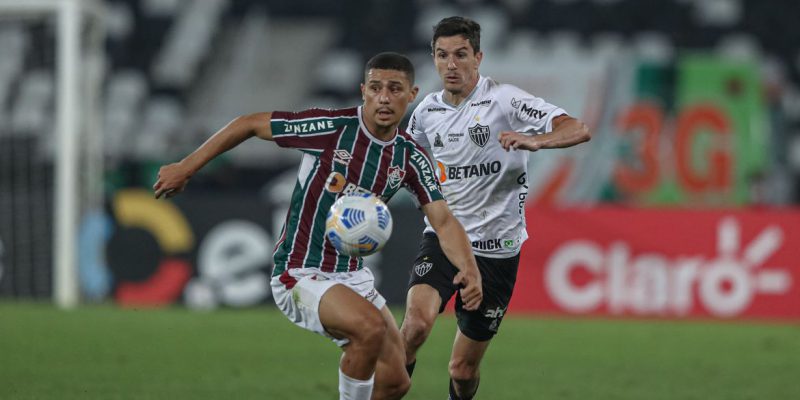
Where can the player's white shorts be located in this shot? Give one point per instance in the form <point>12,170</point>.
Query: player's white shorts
<point>301,303</point>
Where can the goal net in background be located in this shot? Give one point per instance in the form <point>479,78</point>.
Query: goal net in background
<point>51,70</point>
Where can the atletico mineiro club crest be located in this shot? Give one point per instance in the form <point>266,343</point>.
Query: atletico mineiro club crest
<point>479,134</point>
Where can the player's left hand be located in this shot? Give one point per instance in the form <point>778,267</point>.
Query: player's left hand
<point>514,140</point>
<point>172,179</point>
<point>471,285</point>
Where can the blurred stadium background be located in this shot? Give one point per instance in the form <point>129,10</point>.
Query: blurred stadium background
<point>683,206</point>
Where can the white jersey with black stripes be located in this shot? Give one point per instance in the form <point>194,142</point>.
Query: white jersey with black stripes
<point>485,186</point>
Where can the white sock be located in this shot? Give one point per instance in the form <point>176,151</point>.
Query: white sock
<point>354,389</point>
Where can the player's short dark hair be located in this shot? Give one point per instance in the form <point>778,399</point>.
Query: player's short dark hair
<point>453,26</point>
<point>390,60</point>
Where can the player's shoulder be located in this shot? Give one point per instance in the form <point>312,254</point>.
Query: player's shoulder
<point>427,112</point>
<point>352,113</point>
<point>508,96</point>
<point>318,112</point>
<point>499,89</point>
<point>406,141</point>
<point>410,147</point>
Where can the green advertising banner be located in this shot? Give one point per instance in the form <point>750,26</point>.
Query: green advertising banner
<point>695,136</point>
<point>725,129</point>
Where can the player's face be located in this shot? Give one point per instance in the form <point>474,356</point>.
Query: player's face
<point>457,64</point>
<point>386,94</point>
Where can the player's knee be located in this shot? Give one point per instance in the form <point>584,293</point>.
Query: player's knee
<point>401,388</point>
<point>394,389</point>
<point>416,330</point>
<point>462,370</point>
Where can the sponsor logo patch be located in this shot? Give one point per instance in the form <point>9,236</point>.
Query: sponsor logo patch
<point>473,171</point>
<point>371,295</point>
<point>438,141</point>
<point>493,326</point>
<point>491,244</point>
<point>342,156</point>
<point>335,182</point>
<point>532,112</point>
<point>454,136</point>
<point>308,127</point>
<point>496,313</point>
<point>427,174</point>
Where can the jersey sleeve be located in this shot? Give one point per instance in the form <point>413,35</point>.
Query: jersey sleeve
<point>420,178</point>
<point>415,128</point>
<point>310,130</point>
<point>526,112</point>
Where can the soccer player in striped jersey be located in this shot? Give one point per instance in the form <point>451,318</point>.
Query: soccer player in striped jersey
<point>476,129</point>
<point>353,150</point>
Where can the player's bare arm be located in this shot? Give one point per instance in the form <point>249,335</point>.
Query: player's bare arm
<point>567,132</point>
<point>172,178</point>
<point>457,248</point>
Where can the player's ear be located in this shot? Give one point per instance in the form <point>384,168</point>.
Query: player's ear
<point>414,92</point>
<point>479,57</point>
<point>364,98</point>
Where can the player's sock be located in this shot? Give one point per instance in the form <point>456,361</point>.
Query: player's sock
<point>355,389</point>
<point>410,368</point>
<point>454,396</point>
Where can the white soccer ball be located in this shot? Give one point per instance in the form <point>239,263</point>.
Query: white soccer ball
<point>358,224</point>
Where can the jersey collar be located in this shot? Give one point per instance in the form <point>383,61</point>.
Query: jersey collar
<point>466,99</point>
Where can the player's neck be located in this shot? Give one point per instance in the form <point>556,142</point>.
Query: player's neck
<point>456,98</point>
<point>382,133</point>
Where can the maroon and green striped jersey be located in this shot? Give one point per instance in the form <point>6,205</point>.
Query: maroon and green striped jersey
<point>341,157</point>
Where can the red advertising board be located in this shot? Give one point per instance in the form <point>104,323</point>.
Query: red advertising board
<point>661,263</point>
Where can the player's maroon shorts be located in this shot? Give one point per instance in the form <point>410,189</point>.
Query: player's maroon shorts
<point>498,275</point>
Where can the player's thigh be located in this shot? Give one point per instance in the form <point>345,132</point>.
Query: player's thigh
<point>431,269</point>
<point>344,313</point>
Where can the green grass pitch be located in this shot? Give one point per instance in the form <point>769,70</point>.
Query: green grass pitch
<point>102,352</point>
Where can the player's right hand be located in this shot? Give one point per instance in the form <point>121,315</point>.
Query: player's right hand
<point>469,279</point>
<point>172,179</point>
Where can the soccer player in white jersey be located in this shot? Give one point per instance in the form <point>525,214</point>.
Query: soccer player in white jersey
<point>361,150</point>
<point>480,133</point>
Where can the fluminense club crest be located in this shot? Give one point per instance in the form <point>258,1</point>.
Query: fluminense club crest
<point>479,134</point>
<point>395,176</point>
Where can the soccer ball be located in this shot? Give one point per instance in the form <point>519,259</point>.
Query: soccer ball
<point>358,224</point>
